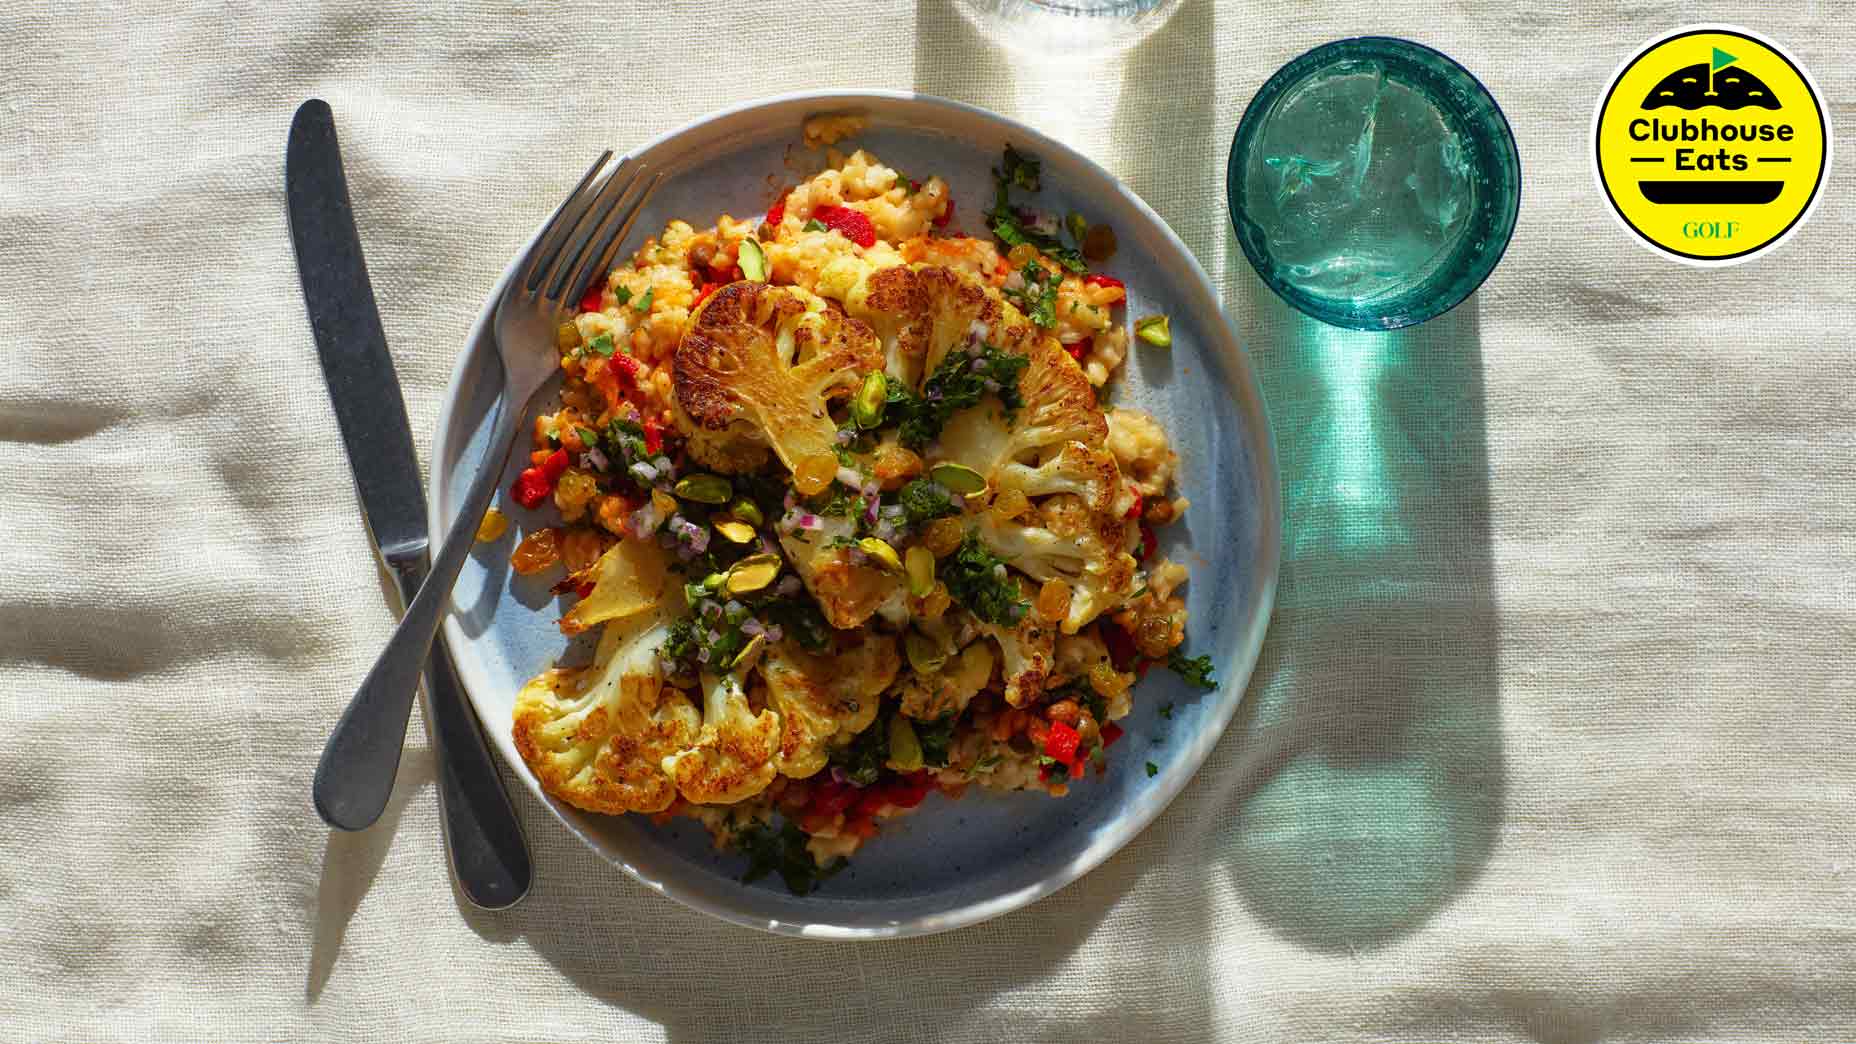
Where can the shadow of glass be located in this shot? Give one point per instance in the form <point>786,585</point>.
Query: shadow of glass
<point>953,59</point>
<point>1373,787</point>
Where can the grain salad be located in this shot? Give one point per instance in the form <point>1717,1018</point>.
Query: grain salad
<point>837,489</point>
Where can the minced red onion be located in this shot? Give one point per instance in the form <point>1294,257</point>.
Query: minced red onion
<point>838,775</point>
<point>775,632</point>
<point>845,436</point>
<point>892,511</point>
<point>595,460</point>
<point>752,626</point>
<point>643,472</point>
<point>789,585</point>
<point>851,477</point>
<point>957,500</point>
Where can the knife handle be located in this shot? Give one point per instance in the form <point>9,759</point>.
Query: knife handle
<point>489,856</point>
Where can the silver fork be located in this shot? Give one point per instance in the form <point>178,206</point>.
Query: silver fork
<point>576,247</point>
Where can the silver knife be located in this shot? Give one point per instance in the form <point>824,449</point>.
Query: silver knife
<point>489,856</point>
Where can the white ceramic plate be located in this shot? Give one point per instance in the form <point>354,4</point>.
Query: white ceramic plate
<point>952,863</point>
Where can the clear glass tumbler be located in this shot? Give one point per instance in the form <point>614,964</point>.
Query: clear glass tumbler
<point>1068,26</point>
<point>1373,183</point>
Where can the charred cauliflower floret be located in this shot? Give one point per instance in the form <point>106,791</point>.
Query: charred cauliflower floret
<point>919,312</point>
<point>848,593</point>
<point>1067,541</point>
<point>755,371</point>
<point>1053,444</point>
<point>596,737</point>
<point>825,699</point>
<point>1026,653</point>
<point>733,756</point>
<point>949,690</point>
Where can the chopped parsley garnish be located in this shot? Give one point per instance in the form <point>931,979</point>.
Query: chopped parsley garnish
<point>1152,770</point>
<point>602,345</point>
<point>1038,300</point>
<point>936,737</point>
<point>1054,769</point>
<point>960,381</point>
<point>1021,171</point>
<point>984,765</point>
<point>862,759</point>
<point>814,225</point>
<point>643,304</point>
<point>622,294</point>
<point>625,441</point>
<point>925,501</point>
<point>843,503</point>
<point>783,851</point>
<point>801,620</point>
<point>1196,670</point>
<point>588,437</point>
<point>976,578</point>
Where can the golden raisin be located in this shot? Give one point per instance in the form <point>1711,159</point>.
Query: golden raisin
<point>1009,504</point>
<point>1065,711</point>
<point>1053,602</point>
<point>493,526</point>
<point>581,548</point>
<point>574,491</point>
<point>943,536</point>
<point>815,473</point>
<point>1154,635</point>
<point>612,512</point>
<point>566,336</point>
<point>1021,253</point>
<point>935,603</point>
<point>536,552</point>
<point>1107,681</point>
<point>895,465</point>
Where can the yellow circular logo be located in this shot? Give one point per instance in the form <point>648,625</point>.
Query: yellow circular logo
<point>1711,144</point>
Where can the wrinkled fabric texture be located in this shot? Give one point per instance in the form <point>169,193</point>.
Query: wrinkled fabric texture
<point>1550,740</point>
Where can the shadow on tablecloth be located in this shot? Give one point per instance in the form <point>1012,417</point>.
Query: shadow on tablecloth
<point>1372,779</point>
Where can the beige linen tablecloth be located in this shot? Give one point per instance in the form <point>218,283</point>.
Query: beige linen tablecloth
<point>1572,764</point>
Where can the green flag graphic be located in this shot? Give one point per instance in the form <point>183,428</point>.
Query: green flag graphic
<point>1721,60</point>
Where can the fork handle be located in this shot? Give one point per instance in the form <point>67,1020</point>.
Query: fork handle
<point>355,776</point>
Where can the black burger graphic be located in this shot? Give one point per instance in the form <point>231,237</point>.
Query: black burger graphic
<point>1690,88</point>
<point>1710,145</point>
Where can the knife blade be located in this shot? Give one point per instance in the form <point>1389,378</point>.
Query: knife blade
<point>488,854</point>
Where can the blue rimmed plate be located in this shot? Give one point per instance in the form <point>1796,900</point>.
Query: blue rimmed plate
<point>952,863</point>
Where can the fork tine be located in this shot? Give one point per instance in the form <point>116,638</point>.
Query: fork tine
<point>547,281</point>
<point>624,214</point>
<point>541,253</point>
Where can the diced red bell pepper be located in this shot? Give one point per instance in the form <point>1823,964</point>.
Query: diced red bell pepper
<point>555,466</point>
<point>531,488</point>
<point>1139,503</point>
<point>832,797</point>
<point>1060,742</point>
<point>947,216</point>
<point>1121,651</point>
<point>851,224</point>
<point>1149,542</point>
<point>625,365</point>
<point>1075,350</point>
<point>777,212</point>
<point>1098,279</point>
<point>653,436</point>
<point>703,293</point>
<point>1110,733</point>
<point>591,300</point>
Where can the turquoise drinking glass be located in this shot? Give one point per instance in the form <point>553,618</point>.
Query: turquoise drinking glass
<point>1373,183</point>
